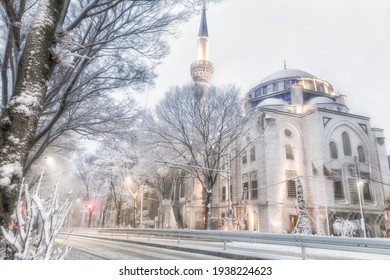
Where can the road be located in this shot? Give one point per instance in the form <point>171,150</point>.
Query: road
<point>91,245</point>
<point>83,248</point>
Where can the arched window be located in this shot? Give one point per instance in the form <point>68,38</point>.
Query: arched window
<point>337,184</point>
<point>346,144</point>
<point>333,150</point>
<point>289,151</point>
<point>291,177</point>
<point>361,154</point>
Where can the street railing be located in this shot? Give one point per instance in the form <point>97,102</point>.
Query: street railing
<point>353,244</point>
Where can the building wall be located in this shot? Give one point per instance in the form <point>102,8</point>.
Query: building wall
<point>312,131</point>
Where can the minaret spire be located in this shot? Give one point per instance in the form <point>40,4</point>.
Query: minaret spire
<point>202,70</point>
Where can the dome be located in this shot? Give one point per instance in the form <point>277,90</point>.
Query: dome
<point>286,74</point>
<point>320,100</point>
<point>271,101</point>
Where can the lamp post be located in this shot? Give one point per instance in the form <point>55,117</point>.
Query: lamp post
<point>47,159</point>
<point>219,171</point>
<point>128,182</point>
<point>357,174</point>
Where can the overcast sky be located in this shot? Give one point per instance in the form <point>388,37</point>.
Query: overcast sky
<point>345,42</point>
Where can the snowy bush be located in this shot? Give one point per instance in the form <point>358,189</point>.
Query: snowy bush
<point>34,226</point>
<point>344,227</point>
<point>223,223</point>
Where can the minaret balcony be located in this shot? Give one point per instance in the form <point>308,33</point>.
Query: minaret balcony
<point>202,71</point>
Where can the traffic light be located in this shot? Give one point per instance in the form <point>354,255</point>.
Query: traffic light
<point>90,206</point>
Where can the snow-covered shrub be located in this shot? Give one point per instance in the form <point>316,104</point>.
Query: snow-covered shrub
<point>34,226</point>
<point>344,227</point>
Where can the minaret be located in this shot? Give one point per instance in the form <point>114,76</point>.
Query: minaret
<point>202,70</point>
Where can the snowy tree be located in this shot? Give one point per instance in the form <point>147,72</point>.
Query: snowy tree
<point>19,120</point>
<point>162,180</point>
<point>33,228</point>
<point>199,136</point>
<point>344,227</point>
<point>303,224</point>
<point>59,58</point>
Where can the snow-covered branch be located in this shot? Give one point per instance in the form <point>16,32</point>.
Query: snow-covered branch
<point>34,226</point>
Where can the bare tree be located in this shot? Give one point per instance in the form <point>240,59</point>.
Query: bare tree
<point>199,133</point>
<point>60,56</point>
<point>160,179</point>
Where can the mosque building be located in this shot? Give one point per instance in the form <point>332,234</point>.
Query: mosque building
<point>303,137</point>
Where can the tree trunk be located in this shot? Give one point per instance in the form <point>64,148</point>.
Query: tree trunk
<point>207,211</point>
<point>19,120</point>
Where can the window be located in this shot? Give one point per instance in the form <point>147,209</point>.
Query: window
<point>182,188</point>
<point>252,153</point>
<point>361,154</point>
<point>337,184</point>
<point>289,151</point>
<point>291,175</point>
<point>269,88</point>
<point>366,192</point>
<point>245,191</point>
<point>365,183</point>
<point>346,144</point>
<point>293,222</point>
<point>291,188</point>
<point>275,87</point>
<point>333,150</point>
<point>244,157</point>
<point>310,85</point>
<point>254,185</point>
<point>287,85</point>
<point>223,197</point>
<point>254,190</point>
<point>288,133</point>
<point>320,87</point>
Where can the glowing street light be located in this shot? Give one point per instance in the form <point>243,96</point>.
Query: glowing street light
<point>48,160</point>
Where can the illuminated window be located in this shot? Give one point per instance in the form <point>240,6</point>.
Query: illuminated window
<point>346,144</point>
<point>361,154</point>
<point>293,222</point>
<point>333,150</point>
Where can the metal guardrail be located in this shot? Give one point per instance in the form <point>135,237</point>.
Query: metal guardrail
<point>353,244</point>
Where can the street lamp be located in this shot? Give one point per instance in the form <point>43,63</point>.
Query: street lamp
<point>219,171</point>
<point>358,184</point>
<point>128,183</point>
<point>47,160</point>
